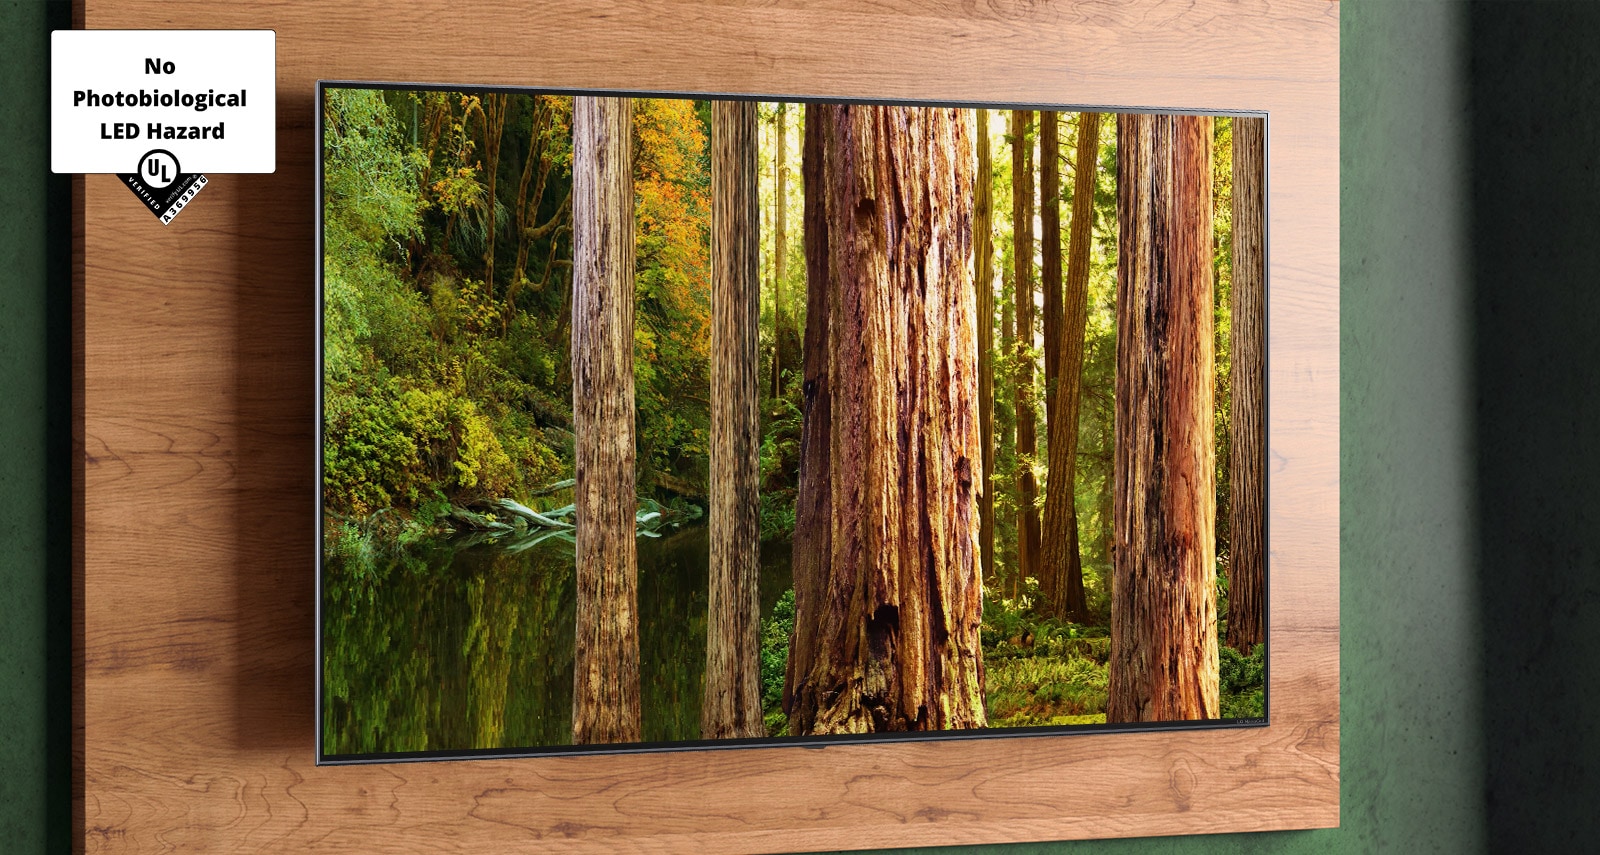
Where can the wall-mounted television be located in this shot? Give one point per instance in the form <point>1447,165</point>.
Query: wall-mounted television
<point>665,421</point>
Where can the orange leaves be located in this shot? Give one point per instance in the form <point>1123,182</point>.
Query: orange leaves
<point>672,337</point>
<point>673,206</point>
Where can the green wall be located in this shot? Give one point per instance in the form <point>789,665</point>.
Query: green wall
<point>1456,514</point>
<point>35,669</point>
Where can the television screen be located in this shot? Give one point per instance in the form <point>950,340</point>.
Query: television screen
<point>657,422</point>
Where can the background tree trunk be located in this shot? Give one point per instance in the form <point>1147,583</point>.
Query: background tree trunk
<point>780,252</point>
<point>1006,438</point>
<point>813,507</point>
<point>1027,415</point>
<point>732,706</point>
<point>1050,280</point>
<point>1247,460</point>
<point>1163,664</point>
<point>895,613</point>
<point>605,696</point>
<point>983,281</point>
<point>1063,560</point>
<point>1050,254</point>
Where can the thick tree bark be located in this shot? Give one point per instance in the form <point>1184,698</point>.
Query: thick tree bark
<point>1163,663</point>
<point>1247,459</point>
<point>983,281</point>
<point>780,252</point>
<point>732,706</point>
<point>1027,415</point>
<point>887,631</point>
<point>605,697</point>
<point>1063,561</point>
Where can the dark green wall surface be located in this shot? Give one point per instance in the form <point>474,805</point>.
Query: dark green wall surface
<point>35,514</point>
<point>1470,413</point>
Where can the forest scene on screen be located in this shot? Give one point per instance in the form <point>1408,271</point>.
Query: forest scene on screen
<point>660,420</point>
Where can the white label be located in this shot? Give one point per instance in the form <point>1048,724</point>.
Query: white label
<point>205,97</point>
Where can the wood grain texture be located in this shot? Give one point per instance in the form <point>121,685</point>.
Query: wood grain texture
<point>197,406</point>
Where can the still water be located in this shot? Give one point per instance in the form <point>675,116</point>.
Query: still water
<point>465,642</point>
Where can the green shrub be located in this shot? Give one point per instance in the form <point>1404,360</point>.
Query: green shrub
<point>775,634</point>
<point>1243,682</point>
<point>369,457</point>
<point>1044,690</point>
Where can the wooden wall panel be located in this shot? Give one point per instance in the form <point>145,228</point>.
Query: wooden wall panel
<point>195,536</point>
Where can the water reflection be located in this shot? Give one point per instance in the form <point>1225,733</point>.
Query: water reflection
<point>466,642</point>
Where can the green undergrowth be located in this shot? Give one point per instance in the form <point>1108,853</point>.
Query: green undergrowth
<point>1041,671</point>
<point>775,633</point>
<point>1243,682</point>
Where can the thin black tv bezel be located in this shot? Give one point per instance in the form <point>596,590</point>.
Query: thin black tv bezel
<point>815,742</point>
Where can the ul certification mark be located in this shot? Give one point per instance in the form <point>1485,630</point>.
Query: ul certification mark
<point>162,184</point>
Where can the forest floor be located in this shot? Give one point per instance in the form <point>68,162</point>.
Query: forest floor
<point>1041,671</point>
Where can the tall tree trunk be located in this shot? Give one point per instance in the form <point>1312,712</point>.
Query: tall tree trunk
<point>1050,539</point>
<point>732,706</point>
<point>1063,561</point>
<point>1006,440</point>
<point>1247,460</point>
<point>892,616</point>
<point>1050,254</point>
<point>1163,663</point>
<point>605,696</point>
<point>780,252</point>
<point>813,508</point>
<point>1027,416</point>
<point>983,281</point>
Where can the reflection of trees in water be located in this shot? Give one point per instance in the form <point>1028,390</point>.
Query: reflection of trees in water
<point>673,579</point>
<point>455,645</point>
<point>464,643</point>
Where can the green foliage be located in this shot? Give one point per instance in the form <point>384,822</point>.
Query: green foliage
<point>369,459</point>
<point>1222,259</point>
<point>775,634</point>
<point>440,388</point>
<point>1243,682</point>
<point>1041,671</point>
<point>1033,691</point>
<point>781,427</point>
<point>672,333</point>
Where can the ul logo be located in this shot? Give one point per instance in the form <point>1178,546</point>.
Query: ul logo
<point>158,168</point>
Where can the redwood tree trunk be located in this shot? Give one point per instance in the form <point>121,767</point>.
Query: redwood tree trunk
<point>1050,255</point>
<point>1006,419</point>
<point>1050,539</point>
<point>892,608</point>
<point>1163,663</point>
<point>813,508</point>
<point>1062,557</point>
<point>780,252</point>
<point>732,706</point>
<point>605,696</point>
<point>983,281</point>
<point>1247,459</point>
<point>1027,415</point>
